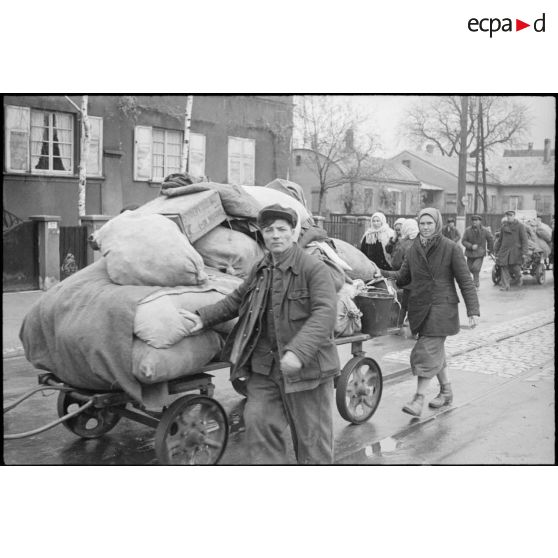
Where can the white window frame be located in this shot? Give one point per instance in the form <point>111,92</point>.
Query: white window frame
<point>180,143</point>
<point>49,171</point>
<point>248,155</point>
<point>143,152</point>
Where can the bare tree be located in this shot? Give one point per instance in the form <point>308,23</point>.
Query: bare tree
<point>437,120</point>
<point>185,160</point>
<point>329,127</point>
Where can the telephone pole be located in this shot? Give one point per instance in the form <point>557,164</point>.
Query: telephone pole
<point>462,176</point>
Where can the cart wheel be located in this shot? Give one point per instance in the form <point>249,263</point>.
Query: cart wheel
<point>540,274</point>
<point>359,389</point>
<point>239,385</point>
<point>90,423</point>
<point>496,275</point>
<point>193,431</point>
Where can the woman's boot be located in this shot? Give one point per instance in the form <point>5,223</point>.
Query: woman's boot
<point>415,406</point>
<point>445,397</point>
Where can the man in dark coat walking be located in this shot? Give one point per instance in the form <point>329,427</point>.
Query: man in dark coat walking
<point>450,231</point>
<point>511,250</point>
<point>477,240</point>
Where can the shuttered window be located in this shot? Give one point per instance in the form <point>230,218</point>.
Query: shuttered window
<point>196,164</point>
<point>242,161</point>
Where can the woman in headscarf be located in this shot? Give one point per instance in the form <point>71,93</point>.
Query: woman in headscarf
<point>432,266</point>
<point>376,239</point>
<point>409,231</point>
<point>393,244</point>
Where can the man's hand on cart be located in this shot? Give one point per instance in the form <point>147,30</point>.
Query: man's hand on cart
<point>194,318</point>
<point>473,321</point>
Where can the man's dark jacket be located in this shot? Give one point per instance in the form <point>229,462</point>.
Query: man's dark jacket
<point>304,325</point>
<point>482,237</point>
<point>512,244</point>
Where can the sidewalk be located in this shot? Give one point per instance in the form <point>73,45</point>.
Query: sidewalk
<point>14,308</point>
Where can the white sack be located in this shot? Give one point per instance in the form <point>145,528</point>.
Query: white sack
<point>348,320</point>
<point>230,251</point>
<point>149,250</point>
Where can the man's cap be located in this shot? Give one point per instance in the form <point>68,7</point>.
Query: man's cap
<point>510,212</point>
<point>476,218</point>
<point>275,211</point>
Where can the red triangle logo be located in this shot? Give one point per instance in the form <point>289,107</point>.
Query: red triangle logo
<point>519,25</point>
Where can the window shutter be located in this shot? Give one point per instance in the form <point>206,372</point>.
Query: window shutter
<point>95,158</point>
<point>16,136</point>
<point>142,153</point>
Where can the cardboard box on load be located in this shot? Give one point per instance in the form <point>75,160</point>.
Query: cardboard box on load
<point>196,214</point>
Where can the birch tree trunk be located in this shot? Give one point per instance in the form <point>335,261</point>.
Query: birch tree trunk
<point>84,154</point>
<point>184,166</point>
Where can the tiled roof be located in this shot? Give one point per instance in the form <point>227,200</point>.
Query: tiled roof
<point>386,169</point>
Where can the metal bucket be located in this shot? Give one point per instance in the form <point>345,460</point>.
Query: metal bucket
<point>376,308</point>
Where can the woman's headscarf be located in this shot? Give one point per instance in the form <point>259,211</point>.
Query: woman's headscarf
<point>435,214</point>
<point>399,221</point>
<point>383,233</point>
<point>409,229</point>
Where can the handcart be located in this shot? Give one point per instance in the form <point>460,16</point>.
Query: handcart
<point>194,428</point>
<point>534,267</point>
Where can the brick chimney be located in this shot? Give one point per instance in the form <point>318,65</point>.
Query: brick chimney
<point>546,157</point>
<point>430,148</point>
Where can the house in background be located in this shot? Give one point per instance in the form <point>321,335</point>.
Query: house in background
<point>135,142</point>
<point>388,186</point>
<point>518,179</point>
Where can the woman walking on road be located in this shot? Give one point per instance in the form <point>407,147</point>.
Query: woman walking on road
<point>431,267</point>
<point>376,239</point>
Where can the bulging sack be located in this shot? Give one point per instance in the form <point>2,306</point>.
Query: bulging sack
<point>158,320</point>
<point>230,251</point>
<point>149,250</point>
<point>348,320</point>
<point>361,266</point>
<point>150,365</point>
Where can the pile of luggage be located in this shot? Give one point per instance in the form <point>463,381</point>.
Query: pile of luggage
<point>189,247</point>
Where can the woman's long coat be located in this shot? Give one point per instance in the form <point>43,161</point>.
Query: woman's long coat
<point>433,302</point>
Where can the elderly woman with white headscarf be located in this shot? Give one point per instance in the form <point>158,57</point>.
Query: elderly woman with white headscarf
<point>432,266</point>
<point>376,239</point>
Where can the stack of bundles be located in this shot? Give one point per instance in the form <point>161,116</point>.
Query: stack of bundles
<point>335,265</point>
<point>291,188</point>
<point>539,236</point>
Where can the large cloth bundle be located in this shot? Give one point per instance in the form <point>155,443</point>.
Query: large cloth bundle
<point>159,321</point>
<point>361,266</point>
<point>544,231</point>
<point>229,251</point>
<point>348,321</point>
<point>269,196</point>
<point>236,201</point>
<point>149,250</point>
<point>336,271</point>
<point>82,330</point>
<point>184,358</point>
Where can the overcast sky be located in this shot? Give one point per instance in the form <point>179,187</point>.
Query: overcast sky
<point>386,112</point>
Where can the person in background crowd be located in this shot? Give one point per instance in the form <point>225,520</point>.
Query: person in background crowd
<point>376,239</point>
<point>431,267</point>
<point>449,231</point>
<point>394,241</point>
<point>477,241</point>
<point>282,346</point>
<point>511,249</point>
<point>409,231</point>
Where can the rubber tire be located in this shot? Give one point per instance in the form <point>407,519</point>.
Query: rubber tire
<point>168,423</point>
<point>496,275</point>
<point>540,274</point>
<point>342,386</point>
<point>106,419</point>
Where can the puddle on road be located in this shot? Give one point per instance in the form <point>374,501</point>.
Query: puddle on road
<point>383,447</point>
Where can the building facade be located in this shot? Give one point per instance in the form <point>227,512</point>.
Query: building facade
<point>135,142</point>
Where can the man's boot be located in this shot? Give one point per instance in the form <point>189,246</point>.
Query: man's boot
<point>445,397</point>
